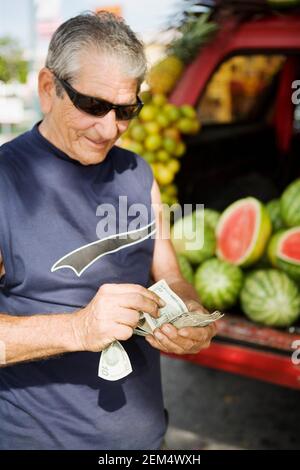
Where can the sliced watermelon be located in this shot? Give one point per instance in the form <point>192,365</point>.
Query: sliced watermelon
<point>243,231</point>
<point>284,251</point>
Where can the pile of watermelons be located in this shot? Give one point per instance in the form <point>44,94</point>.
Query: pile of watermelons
<point>247,256</point>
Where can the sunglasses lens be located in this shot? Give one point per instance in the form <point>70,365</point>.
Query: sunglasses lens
<point>125,113</point>
<point>92,106</point>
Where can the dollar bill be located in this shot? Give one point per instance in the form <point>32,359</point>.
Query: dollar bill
<point>114,362</point>
<point>175,311</point>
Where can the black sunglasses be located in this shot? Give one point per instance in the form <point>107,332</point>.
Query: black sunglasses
<point>98,107</point>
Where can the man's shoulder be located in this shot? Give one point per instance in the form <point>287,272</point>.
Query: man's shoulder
<point>11,148</point>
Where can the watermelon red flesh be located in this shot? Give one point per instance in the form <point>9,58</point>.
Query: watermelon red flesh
<point>290,247</point>
<point>237,232</point>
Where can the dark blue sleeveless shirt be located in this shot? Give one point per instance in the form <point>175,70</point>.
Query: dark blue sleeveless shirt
<point>57,252</point>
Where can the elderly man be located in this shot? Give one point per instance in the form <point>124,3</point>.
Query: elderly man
<point>68,286</point>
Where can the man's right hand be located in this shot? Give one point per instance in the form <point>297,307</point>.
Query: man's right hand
<point>112,315</point>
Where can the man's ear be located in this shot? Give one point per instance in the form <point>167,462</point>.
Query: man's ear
<point>46,89</point>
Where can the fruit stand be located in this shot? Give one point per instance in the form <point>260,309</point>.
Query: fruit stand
<point>242,346</point>
<point>221,127</point>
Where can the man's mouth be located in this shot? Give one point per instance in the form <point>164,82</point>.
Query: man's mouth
<point>97,143</point>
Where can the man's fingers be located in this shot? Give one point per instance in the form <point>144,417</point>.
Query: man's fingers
<point>128,317</point>
<point>155,344</point>
<point>172,334</point>
<point>132,288</point>
<point>140,303</point>
<point>199,333</point>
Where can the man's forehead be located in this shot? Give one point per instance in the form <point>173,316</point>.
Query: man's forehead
<point>101,75</point>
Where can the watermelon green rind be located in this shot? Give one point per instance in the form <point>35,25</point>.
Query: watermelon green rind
<point>290,204</point>
<point>186,268</point>
<point>211,218</point>
<point>273,208</point>
<point>207,245</point>
<point>261,234</point>
<point>278,259</point>
<point>270,297</point>
<point>218,283</point>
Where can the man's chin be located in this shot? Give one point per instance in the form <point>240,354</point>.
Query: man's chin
<point>92,158</point>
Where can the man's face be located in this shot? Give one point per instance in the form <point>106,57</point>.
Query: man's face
<point>88,138</point>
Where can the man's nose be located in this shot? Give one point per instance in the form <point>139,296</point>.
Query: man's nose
<point>107,125</point>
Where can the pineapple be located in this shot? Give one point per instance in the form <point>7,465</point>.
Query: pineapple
<point>163,76</point>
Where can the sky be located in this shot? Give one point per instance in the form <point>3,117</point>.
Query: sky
<point>143,16</point>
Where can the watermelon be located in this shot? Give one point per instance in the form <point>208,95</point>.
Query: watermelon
<point>290,204</point>
<point>218,283</point>
<point>243,231</point>
<point>270,297</point>
<point>273,208</point>
<point>186,268</point>
<point>192,238</point>
<point>211,218</point>
<point>284,252</point>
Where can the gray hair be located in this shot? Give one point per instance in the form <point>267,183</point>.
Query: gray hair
<point>102,32</point>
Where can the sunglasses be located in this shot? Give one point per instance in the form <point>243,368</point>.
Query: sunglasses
<point>98,107</point>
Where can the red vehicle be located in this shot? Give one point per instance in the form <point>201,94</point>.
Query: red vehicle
<point>252,148</point>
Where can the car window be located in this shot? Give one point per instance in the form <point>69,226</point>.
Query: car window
<point>237,86</point>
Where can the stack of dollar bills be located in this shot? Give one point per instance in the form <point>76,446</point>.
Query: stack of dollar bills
<point>114,361</point>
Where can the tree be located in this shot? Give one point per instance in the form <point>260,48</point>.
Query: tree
<point>12,64</point>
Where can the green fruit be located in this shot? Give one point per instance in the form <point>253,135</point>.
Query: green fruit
<point>172,112</point>
<point>163,156</point>
<point>192,238</point>
<point>170,145</point>
<point>180,150</point>
<point>273,208</point>
<point>218,284</point>
<point>290,204</point>
<point>162,120</point>
<point>270,297</point>
<point>243,232</point>
<point>186,125</point>
<point>148,113</point>
<point>188,111</point>
<point>211,218</point>
<point>152,127</point>
<point>159,100</point>
<point>284,251</point>
<point>149,157</point>
<point>173,165</point>
<point>186,268</point>
<point>138,133</point>
<point>153,142</point>
<point>135,147</point>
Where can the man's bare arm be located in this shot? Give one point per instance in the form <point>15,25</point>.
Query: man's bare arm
<point>188,340</point>
<point>111,315</point>
<point>35,337</point>
<point>165,265</point>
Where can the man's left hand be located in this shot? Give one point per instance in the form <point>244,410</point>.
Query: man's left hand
<point>188,340</point>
